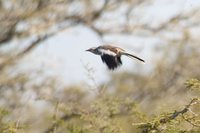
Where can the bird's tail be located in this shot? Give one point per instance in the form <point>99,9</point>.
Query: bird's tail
<point>132,56</point>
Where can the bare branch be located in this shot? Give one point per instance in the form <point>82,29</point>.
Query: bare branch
<point>7,27</point>
<point>33,44</point>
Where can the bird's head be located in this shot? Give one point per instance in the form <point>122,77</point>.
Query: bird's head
<point>93,50</point>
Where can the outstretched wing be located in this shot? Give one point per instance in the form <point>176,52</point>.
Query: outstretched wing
<point>111,61</point>
<point>110,56</point>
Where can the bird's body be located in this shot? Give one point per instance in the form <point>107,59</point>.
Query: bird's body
<point>111,55</point>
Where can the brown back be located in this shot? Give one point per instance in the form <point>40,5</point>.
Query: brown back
<point>112,48</point>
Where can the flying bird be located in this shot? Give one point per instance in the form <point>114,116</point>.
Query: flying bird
<point>111,55</point>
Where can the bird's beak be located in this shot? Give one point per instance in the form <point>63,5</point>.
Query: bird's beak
<point>88,50</point>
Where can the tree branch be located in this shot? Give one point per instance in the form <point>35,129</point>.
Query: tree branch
<point>167,119</point>
<point>181,112</point>
<point>33,44</point>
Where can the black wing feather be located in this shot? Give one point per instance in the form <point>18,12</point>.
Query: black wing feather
<point>111,61</point>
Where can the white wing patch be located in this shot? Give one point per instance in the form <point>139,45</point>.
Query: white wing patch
<point>108,52</point>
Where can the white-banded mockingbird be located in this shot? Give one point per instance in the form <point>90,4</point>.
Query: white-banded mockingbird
<point>111,55</point>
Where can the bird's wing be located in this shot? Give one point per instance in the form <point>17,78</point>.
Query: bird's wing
<point>111,61</point>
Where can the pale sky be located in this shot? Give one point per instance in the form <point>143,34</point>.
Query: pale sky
<point>64,54</point>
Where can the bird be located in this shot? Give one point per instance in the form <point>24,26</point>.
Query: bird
<point>111,55</point>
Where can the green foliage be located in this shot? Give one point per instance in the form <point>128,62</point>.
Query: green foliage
<point>108,113</point>
<point>193,84</point>
<point>3,114</point>
<point>185,120</point>
<point>100,115</point>
<point>9,126</point>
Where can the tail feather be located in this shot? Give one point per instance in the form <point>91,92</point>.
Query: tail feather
<point>132,56</point>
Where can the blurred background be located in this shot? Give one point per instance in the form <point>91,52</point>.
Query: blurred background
<point>48,83</point>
